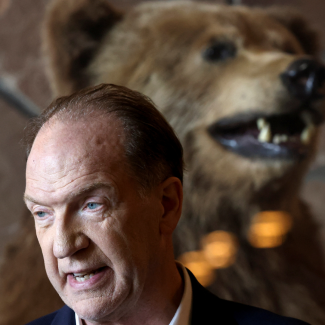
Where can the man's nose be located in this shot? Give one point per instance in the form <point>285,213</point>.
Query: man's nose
<point>305,79</point>
<point>68,239</point>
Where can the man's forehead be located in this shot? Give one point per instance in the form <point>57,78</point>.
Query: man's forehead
<point>94,130</point>
<point>67,143</point>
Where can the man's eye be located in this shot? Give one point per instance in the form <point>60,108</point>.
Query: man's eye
<point>41,214</point>
<point>92,205</point>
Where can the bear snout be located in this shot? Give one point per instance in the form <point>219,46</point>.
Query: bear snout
<point>305,80</point>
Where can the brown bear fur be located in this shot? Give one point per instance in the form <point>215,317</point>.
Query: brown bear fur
<point>156,48</point>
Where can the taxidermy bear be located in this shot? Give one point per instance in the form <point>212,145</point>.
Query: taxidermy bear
<point>242,89</point>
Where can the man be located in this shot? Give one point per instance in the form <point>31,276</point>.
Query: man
<point>104,184</point>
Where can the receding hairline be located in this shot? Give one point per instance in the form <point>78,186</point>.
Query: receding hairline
<point>152,149</point>
<point>92,114</point>
<point>104,132</point>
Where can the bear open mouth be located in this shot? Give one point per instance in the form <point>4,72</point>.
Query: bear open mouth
<point>285,136</point>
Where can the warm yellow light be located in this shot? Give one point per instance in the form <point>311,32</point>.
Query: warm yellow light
<point>195,261</point>
<point>266,242</point>
<point>220,249</point>
<point>269,228</point>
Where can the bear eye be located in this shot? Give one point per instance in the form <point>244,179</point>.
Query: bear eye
<point>219,51</point>
<point>290,50</point>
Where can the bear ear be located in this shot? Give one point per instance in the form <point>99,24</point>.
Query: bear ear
<point>73,32</point>
<point>298,26</point>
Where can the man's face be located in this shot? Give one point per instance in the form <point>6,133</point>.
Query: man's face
<point>100,240</point>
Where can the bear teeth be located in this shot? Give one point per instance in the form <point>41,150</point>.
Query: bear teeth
<point>277,139</point>
<point>261,122</point>
<point>309,130</point>
<point>265,134</point>
<point>307,134</point>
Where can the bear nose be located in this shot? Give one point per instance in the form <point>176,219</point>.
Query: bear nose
<point>305,79</point>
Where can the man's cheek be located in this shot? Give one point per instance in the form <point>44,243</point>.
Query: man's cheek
<point>41,235</point>
<point>50,262</point>
<point>53,273</point>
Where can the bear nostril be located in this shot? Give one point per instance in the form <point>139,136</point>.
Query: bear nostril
<point>305,79</point>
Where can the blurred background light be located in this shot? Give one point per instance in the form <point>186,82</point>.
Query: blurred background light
<point>269,229</point>
<point>220,249</point>
<point>196,262</point>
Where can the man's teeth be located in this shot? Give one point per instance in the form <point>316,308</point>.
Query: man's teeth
<point>81,277</point>
<point>265,133</point>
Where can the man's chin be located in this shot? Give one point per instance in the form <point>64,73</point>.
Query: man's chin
<point>101,309</point>
<point>95,309</point>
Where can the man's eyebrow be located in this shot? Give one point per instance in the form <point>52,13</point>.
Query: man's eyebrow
<point>28,198</point>
<point>87,189</point>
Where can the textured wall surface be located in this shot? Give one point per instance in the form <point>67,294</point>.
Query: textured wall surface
<point>22,67</point>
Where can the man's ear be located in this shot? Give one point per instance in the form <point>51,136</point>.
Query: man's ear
<point>171,198</point>
<point>298,26</point>
<point>73,32</point>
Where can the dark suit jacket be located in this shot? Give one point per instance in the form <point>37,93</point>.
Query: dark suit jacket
<point>207,309</point>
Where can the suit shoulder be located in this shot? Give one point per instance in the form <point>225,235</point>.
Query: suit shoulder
<point>45,320</point>
<point>65,315</point>
<point>207,305</point>
<point>248,315</point>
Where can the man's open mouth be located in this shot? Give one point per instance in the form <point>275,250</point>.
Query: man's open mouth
<point>81,277</point>
<point>285,136</point>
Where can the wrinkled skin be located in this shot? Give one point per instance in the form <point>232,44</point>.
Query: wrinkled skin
<point>160,50</point>
<point>91,219</point>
